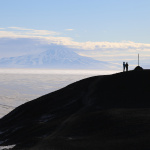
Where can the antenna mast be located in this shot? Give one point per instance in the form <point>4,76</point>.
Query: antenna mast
<point>138,59</point>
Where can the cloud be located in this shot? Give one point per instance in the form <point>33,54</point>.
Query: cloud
<point>111,45</point>
<point>32,32</point>
<point>9,34</point>
<point>19,28</point>
<point>69,29</point>
<point>50,37</point>
<point>10,47</point>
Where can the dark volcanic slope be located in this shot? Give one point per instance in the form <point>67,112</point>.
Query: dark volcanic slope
<point>103,112</point>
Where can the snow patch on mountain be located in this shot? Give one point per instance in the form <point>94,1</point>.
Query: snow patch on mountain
<point>53,58</point>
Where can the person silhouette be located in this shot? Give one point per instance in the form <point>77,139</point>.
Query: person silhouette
<point>124,66</point>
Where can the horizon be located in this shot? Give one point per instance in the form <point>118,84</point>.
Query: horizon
<point>45,71</point>
<point>109,31</point>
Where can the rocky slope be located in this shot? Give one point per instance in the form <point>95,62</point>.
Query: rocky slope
<point>102,112</point>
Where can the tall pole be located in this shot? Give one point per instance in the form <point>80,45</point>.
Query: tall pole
<point>138,59</point>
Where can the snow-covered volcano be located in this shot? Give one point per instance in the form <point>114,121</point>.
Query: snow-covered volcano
<point>52,58</point>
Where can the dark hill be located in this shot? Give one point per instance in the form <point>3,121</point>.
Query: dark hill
<point>103,112</point>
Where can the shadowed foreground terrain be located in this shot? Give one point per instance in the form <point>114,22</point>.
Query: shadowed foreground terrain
<point>98,113</point>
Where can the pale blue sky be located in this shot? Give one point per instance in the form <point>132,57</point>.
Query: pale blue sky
<point>107,30</point>
<point>92,20</point>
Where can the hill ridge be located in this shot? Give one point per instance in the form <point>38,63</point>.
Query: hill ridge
<point>107,112</point>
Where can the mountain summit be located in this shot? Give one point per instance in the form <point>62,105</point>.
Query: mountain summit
<point>53,58</point>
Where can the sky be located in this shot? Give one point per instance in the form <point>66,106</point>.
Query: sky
<point>106,30</point>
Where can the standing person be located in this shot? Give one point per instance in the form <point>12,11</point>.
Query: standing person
<point>124,66</point>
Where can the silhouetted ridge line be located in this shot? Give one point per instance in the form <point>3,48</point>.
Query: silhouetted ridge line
<point>101,112</point>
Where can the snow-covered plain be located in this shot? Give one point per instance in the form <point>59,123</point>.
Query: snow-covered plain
<point>18,86</point>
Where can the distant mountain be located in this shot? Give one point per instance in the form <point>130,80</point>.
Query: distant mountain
<point>53,58</point>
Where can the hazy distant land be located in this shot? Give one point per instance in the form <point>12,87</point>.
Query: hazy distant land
<point>18,86</point>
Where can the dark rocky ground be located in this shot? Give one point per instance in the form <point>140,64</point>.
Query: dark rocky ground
<point>110,112</point>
